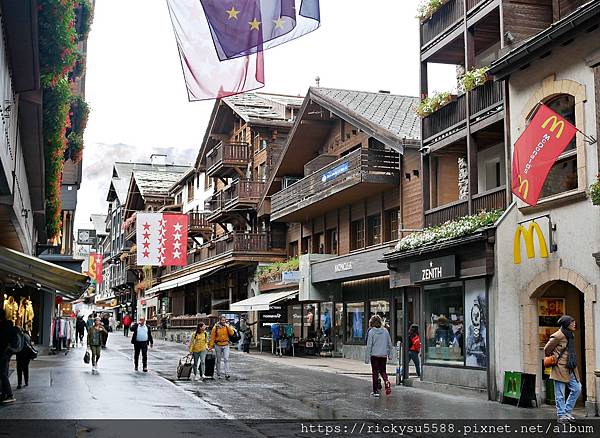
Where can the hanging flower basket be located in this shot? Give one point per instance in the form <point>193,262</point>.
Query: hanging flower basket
<point>428,7</point>
<point>474,78</point>
<point>431,104</point>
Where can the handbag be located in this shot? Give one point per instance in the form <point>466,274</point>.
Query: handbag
<point>551,361</point>
<point>32,352</point>
<point>86,357</point>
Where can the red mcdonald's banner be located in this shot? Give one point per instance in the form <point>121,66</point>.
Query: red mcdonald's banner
<point>536,151</point>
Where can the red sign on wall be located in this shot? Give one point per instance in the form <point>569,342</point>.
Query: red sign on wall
<point>95,267</point>
<point>536,151</point>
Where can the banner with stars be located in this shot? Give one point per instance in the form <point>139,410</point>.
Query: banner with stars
<point>161,239</point>
<point>243,27</point>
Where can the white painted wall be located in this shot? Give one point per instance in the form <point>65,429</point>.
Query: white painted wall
<point>578,223</point>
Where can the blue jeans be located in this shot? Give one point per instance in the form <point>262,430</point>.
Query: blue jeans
<point>200,357</point>
<point>563,408</point>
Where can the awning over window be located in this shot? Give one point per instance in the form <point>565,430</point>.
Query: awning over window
<point>19,267</point>
<point>181,281</point>
<point>262,302</point>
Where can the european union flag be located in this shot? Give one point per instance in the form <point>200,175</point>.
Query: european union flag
<point>243,27</point>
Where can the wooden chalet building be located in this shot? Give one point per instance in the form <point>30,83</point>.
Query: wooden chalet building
<point>227,237</point>
<point>346,185</point>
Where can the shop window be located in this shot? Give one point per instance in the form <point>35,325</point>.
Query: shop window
<point>306,243</point>
<point>339,327</point>
<point>391,225</point>
<point>357,234</point>
<point>293,249</point>
<point>311,322</point>
<point>444,324</point>
<point>355,322</point>
<point>374,230</point>
<point>295,318</point>
<point>381,308</point>
<point>326,312</point>
<point>563,175</point>
<point>331,241</point>
<point>319,243</point>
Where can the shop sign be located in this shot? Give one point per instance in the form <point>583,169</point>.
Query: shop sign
<point>528,235</point>
<point>341,267</point>
<point>277,313</point>
<point>435,269</point>
<point>290,276</point>
<point>335,172</point>
<point>86,237</point>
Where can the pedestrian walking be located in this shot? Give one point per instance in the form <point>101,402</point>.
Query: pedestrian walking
<point>112,323</point>
<point>89,323</point>
<point>80,327</point>
<point>141,337</point>
<point>414,347</point>
<point>379,349</point>
<point>23,359</point>
<point>561,356</point>
<point>94,341</point>
<point>7,332</point>
<point>245,334</point>
<point>220,334</point>
<point>126,324</point>
<point>106,324</point>
<point>199,349</point>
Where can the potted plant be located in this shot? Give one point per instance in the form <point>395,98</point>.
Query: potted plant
<point>595,191</point>
<point>427,8</point>
<point>431,104</point>
<point>474,78</point>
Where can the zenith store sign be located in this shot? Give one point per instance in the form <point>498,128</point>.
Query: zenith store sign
<point>435,269</point>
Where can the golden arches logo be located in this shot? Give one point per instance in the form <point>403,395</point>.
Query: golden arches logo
<point>523,187</point>
<point>555,124</point>
<point>528,235</point>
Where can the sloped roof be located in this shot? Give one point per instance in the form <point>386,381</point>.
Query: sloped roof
<point>392,112</point>
<point>158,182</point>
<point>261,106</point>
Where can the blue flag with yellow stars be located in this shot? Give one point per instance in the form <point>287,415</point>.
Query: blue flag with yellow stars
<point>243,27</point>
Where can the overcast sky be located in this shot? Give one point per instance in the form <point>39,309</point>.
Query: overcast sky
<point>135,87</point>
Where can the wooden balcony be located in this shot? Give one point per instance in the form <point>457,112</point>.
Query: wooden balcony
<point>198,225</point>
<point>131,261</point>
<point>228,160</point>
<point>242,194</point>
<point>130,231</point>
<point>360,174</point>
<point>236,244</point>
<point>494,199</point>
<point>484,101</point>
<point>448,17</point>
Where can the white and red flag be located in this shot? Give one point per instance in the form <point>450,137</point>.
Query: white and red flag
<point>161,239</point>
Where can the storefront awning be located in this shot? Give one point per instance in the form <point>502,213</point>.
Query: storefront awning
<point>181,281</point>
<point>34,271</point>
<point>262,302</point>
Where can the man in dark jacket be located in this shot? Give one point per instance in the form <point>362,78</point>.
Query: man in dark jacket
<point>141,337</point>
<point>7,331</point>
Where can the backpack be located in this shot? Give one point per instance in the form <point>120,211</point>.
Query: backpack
<point>17,341</point>
<point>235,337</point>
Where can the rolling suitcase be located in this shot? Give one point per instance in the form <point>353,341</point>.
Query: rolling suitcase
<point>184,369</point>
<point>209,366</point>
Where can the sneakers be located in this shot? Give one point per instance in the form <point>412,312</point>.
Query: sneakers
<point>570,417</point>
<point>9,399</point>
<point>375,394</point>
<point>19,386</point>
<point>135,368</point>
<point>227,376</point>
<point>145,370</point>
<point>563,420</point>
<point>388,388</point>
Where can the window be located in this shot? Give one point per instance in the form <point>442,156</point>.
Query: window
<point>374,230</point>
<point>306,243</point>
<point>339,327</point>
<point>355,322</point>
<point>319,243</point>
<point>391,225</point>
<point>326,311</point>
<point>381,308</point>
<point>207,181</point>
<point>563,175</point>
<point>331,241</point>
<point>357,234</point>
<point>262,171</point>
<point>190,190</point>
<point>295,317</point>
<point>444,325</point>
<point>293,249</point>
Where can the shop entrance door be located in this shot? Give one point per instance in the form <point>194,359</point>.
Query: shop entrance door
<point>412,312</point>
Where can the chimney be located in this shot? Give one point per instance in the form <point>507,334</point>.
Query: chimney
<point>158,159</point>
<point>384,91</point>
<point>318,81</point>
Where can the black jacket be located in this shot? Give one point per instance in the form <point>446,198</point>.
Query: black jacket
<point>7,331</point>
<point>134,328</point>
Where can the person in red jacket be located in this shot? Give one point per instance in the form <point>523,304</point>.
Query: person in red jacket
<point>414,347</point>
<point>126,324</point>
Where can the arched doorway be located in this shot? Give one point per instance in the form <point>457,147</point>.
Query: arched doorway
<point>572,294</point>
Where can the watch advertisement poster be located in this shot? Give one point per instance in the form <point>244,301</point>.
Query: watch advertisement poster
<point>476,324</point>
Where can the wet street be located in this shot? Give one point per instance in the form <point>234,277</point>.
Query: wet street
<point>62,387</point>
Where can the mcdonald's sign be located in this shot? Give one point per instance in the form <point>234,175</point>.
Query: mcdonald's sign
<point>536,151</point>
<point>528,235</point>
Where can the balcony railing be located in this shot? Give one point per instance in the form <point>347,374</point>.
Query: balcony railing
<point>442,20</point>
<point>472,3</point>
<point>132,261</point>
<point>494,199</point>
<point>483,100</point>
<point>198,223</point>
<point>373,166</point>
<point>225,157</point>
<point>234,242</point>
<point>241,193</point>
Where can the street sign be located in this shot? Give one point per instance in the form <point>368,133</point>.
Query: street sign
<point>86,237</point>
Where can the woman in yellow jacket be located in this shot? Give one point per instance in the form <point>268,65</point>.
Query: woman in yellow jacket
<point>199,348</point>
<point>220,334</point>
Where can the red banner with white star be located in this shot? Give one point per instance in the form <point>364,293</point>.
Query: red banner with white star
<point>161,239</point>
